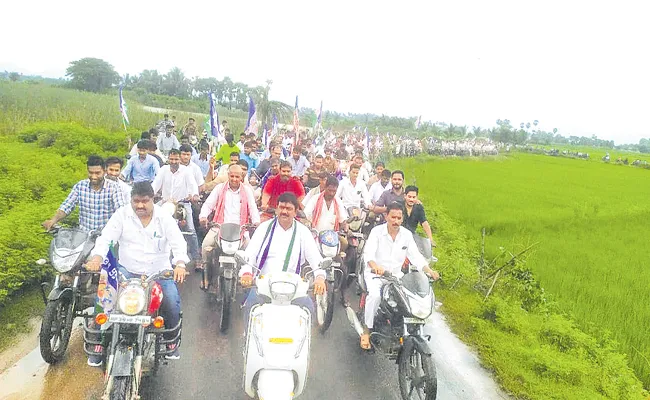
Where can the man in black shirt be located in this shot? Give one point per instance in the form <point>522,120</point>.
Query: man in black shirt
<point>414,214</point>
<point>389,196</point>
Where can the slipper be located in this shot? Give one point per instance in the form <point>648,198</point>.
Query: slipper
<point>365,341</point>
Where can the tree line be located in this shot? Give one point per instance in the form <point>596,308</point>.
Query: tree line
<point>96,75</point>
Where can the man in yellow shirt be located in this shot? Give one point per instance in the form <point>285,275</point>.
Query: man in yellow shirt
<point>226,149</point>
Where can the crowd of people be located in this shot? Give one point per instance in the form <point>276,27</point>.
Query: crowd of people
<point>280,189</point>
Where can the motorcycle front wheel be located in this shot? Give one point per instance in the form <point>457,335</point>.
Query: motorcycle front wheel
<point>325,307</point>
<point>417,376</point>
<point>226,301</point>
<point>121,389</point>
<point>56,328</point>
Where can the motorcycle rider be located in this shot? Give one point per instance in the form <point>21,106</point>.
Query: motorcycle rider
<point>145,234</point>
<point>113,168</point>
<point>313,173</point>
<point>167,141</point>
<point>353,191</point>
<point>227,149</point>
<point>178,183</point>
<point>322,180</point>
<point>282,244</point>
<point>380,186</point>
<point>387,247</point>
<point>389,196</point>
<point>326,212</point>
<point>299,163</point>
<point>414,213</point>
<point>363,173</point>
<point>249,156</point>
<point>144,167</point>
<point>379,168</point>
<point>280,184</point>
<point>232,202</point>
<point>98,198</point>
<point>186,157</point>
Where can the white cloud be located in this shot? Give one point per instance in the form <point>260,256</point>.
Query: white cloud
<point>579,66</point>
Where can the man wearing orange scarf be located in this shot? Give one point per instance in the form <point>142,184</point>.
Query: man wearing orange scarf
<point>232,202</point>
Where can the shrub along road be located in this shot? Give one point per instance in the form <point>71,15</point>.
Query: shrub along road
<point>211,365</point>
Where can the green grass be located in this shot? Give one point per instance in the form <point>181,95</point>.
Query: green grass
<point>15,316</point>
<point>589,218</point>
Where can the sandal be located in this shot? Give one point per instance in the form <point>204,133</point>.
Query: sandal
<point>365,341</point>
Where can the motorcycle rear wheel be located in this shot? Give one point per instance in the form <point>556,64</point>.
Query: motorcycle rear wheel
<point>56,328</point>
<point>325,307</point>
<point>121,389</point>
<point>417,376</point>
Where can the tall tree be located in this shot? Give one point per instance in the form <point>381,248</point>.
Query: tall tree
<point>91,75</point>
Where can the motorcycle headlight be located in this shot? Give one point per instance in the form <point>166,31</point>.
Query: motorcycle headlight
<point>64,262</point>
<point>420,307</point>
<point>283,291</point>
<point>229,248</point>
<point>132,300</point>
<point>329,251</point>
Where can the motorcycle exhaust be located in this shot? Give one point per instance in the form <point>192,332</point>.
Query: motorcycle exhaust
<point>354,321</point>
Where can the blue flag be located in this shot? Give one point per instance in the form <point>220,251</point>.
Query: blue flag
<point>215,128</point>
<point>107,288</point>
<point>251,123</point>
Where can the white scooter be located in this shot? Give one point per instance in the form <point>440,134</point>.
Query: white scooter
<point>278,338</point>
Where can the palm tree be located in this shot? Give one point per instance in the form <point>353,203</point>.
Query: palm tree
<point>266,108</point>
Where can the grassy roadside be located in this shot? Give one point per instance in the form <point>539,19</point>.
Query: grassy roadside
<point>16,313</point>
<point>536,353</point>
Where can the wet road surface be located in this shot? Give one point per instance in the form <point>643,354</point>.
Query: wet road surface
<point>211,364</point>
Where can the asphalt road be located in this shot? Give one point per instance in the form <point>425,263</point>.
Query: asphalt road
<point>211,365</point>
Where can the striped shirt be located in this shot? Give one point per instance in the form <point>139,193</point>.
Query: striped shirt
<point>95,206</point>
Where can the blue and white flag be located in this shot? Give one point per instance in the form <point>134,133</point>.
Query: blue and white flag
<point>418,122</point>
<point>366,148</point>
<point>251,124</point>
<point>274,128</point>
<point>215,127</point>
<point>123,108</point>
<point>319,118</point>
<point>107,288</point>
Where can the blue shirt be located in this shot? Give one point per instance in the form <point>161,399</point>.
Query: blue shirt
<point>203,164</point>
<point>139,171</point>
<point>95,206</point>
<point>251,160</point>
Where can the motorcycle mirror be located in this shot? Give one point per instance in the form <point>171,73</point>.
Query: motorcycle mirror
<point>41,261</point>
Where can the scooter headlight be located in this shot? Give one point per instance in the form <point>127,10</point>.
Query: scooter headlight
<point>132,300</point>
<point>283,291</point>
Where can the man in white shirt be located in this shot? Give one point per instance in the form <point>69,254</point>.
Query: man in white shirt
<point>352,190</point>
<point>379,187</point>
<point>387,247</point>
<point>322,181</point>
<point>145,235</point>
<point>325,211</point>
<point>232,202</point>
<point>363,173</point>
<point>282,244</point>
<point>167,141</point>
<point>178,183</point>
<point>299,163</point>
<point>186,160</point>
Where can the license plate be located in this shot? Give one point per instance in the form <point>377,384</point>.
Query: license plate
<point>129,319</point>
<point>410,320</point>
<point>226,259</point>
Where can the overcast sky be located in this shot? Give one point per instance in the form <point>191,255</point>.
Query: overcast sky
<point>580,66</point>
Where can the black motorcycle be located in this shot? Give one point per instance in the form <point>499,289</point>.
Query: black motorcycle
<point>133,343</point>
<point>221,271</point>
<point>405,307</point>
<point>72,292</point>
